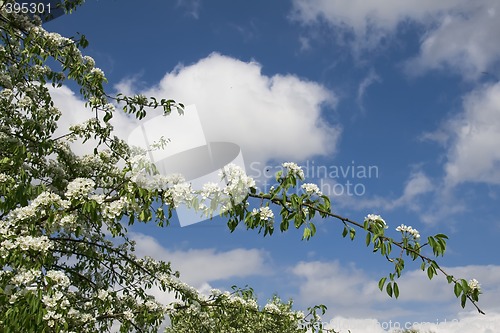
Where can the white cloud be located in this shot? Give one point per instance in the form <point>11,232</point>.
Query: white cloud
<point>417,185</point>
<point>370,79</point>
<point>350,291</point>
<point>462,40</point>
<point>473,155</point>
<point>458,34</point>
<point>74,112</point>
<point>192,7</point>
<point>278,117</point>
<point>201,266</point>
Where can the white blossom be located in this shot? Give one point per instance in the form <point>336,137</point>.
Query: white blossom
<point>58,278</point>
<point>103,295</point>
<point>129,315</point>
<point>265,213</point>
<point>25,102</point>
<point>474,284</point>
<point>89,61</point>
<point>311,189</point>
<point>408,229</point>
<point>3,178</point>
<point>40,244</point>
<point>377,219</point>
<point>80,188</point>
<point>25,277</point>
<point>293,168</point>
<point>97,72</point>
<point>238,182</point>
<point>272,308</point>
<point>210,189</point>
<point>180,194</point>
<point>113,209</point>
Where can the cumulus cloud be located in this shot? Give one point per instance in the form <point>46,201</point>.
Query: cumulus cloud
<point>473,155</point>
<point>74,112</point>
<point>270,117</point>
<point>277,117</point>
<point>349,292</point>
<point>201,266</point>
<point>457,34</point>
<point>415,188</point>
<point>462,40</point>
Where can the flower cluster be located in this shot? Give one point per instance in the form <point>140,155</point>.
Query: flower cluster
<point>474,285</point>
<point>311,189</point>
<point>25,277</point>
<point>238,183</point>
<point>294,169</point>
<point>408,229</point>
<point>265,213</point>
<point>376,219</point>
<point>54,302</point>
<point>180,194</point>
<point>80,188</point>
<point>114,209</point>
<point>26,243</point>
<point>97,72</point>
<point>58,277</point>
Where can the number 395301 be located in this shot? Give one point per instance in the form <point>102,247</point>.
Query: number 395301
<point>27,7</point>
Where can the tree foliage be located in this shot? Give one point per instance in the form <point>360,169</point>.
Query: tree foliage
<point>68,264</point>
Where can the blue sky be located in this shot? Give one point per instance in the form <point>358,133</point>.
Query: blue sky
<point>399,86</point>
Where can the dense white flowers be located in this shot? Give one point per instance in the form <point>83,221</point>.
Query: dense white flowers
<point>474,285</point>
<point>80,188</point>
<point>181,194</point>
<point>103,295</point>
<point>210,189</point>
<point>272,308</point>
<point>265,213</point>
<point>97,72</point>
<point>25,102</point>
<point>25,277</point>
<point>89,61</point>
<point>311,189</point>
<point>408,229</point>
<point>26,243</point>
<point>6,93</point>
<point>58,277</point>
<point>238,182</point>
<point>376,219</point>
<point>113,209</point>
<point>293,168</point>
<point>128,314</point>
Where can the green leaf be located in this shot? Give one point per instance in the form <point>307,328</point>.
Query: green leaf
<point>457,289</point>
<point>381,283</point>
<point>352,233</point>
<point>389,289</point>
<point>307,234</point>
<point>368,239</point>
<point>313,228</point>
<point>396,290</point>
<point>430,272</point>
<point>463,300</point>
